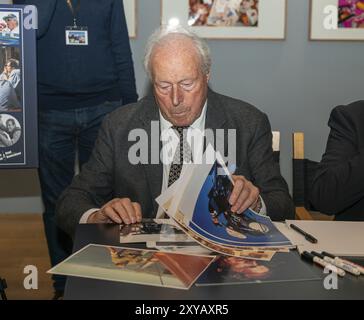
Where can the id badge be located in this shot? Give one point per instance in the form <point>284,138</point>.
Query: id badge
<point>76,36</point>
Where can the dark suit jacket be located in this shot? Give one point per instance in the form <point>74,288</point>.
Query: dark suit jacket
<point>338,187</point>
<point>109,174</point>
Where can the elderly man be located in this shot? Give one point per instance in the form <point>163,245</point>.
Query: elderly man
<point>112,189</point>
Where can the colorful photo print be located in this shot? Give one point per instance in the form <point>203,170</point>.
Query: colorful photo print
<point>10,80</point>
<point>9,28</point>
<point>239,13</point>
<point>10,130</point>
<point>351,13</point>
<point>233,270</point>
<point>214,220</point>
<point>147,267</point>
<point>151,230</point>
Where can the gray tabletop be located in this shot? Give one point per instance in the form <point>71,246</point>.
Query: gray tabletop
<point>349,287</point>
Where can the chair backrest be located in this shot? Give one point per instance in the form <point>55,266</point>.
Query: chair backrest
<point>276,144</point>
<point>303,172</point>
<point>303,175</point>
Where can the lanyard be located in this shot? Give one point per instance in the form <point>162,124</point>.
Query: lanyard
<point>73,10</point>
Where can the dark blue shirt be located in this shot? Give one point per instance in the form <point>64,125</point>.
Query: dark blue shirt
<point>79,76</point>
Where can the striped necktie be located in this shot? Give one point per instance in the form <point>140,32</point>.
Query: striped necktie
<point>182,154</point>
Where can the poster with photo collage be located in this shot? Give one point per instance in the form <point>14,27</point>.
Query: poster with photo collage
<point>18,94</point>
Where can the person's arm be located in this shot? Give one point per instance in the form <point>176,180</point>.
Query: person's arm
<point>46,9</point>
<point>266,173</point>
<point>338,183</point>
<point>122,53</point>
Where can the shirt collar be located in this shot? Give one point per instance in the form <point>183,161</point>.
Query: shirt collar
<point>199,123</point>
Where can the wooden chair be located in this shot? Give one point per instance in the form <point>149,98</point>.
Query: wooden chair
<point>275,144</point>
<point>303,174</point>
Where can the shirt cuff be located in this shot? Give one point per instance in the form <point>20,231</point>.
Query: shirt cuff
<point>263,209</point>
<point>87,214</point>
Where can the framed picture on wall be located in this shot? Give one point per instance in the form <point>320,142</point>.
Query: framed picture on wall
<point>130,8</point>
<point>337,20</point>
<point>229,19</point>
<point>18,89</point>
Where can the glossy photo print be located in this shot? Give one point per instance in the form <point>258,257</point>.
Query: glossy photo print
<point>213,219</point>
<point>158,230</point>
<point>147,267</point>
<point>233,270</point>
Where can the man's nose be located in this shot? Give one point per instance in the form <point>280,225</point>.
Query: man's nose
<point>177,95</point>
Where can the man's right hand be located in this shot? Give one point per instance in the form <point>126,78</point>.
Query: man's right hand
<point>118,210</point>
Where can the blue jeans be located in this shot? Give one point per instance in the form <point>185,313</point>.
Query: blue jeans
<point>61,133</point>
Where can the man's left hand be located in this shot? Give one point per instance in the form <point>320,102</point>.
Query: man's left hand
<point>244,195</point>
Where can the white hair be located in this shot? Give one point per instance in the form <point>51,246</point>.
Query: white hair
<point>166,33</point>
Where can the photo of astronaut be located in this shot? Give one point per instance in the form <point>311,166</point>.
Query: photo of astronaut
<point>236,224</point>
<point>212,217</point>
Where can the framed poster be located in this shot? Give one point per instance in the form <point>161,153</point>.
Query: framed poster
<point>337,20</point>
<point>18,90</point>
<point>229,19</point>
<point>130,15</point>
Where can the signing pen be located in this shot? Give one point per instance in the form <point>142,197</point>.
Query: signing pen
<point>307,236</point>
<point>337,263</point>
<point>360,268</point>
<point>312,258</point>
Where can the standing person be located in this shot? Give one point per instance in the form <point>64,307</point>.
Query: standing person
<point>78,84</point>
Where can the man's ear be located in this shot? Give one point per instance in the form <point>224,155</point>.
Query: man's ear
<point>208,77</point>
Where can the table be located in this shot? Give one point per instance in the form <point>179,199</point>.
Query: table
<point>349,287</point>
